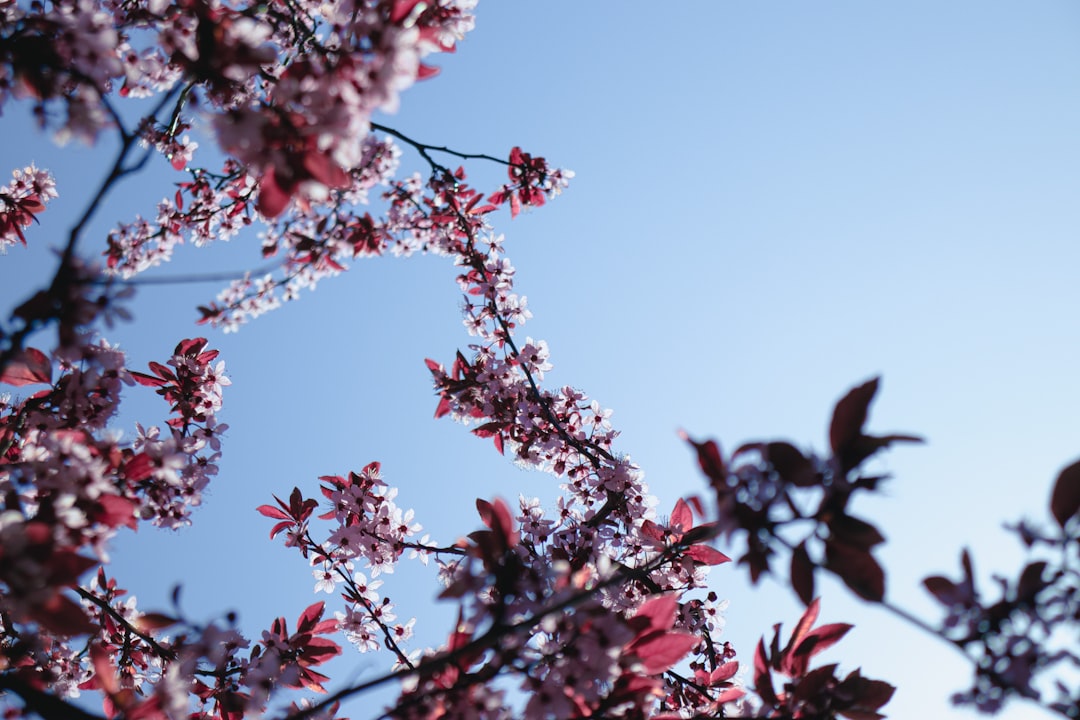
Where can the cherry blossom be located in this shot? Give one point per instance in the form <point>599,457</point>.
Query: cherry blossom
<point>585,601</point>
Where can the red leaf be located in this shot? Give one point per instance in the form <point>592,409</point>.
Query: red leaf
<point>822,638</point>
<point>273,199</point>
<point>681,517</point>
<point>28,367</point>
<point>162,371</point>
<point>730,695</point>
<point>310,617</point>
<point>103,669</point>
<point>149,622</point>
<point>319,650</point>
<point>659,651</point>
<point>515,160</point>
<point>426,71</point>
<point>279,527</point>
<point>707,555</point>
<point>311,680</point>
<point>809,617</point>
<point>272,512</point>
<point>325,170</point>
<point>1065,498</point>
<point>497,517</point>
<point>138,467</point>
<point>709,458</point>
<point>62,616</point>
<point>402,9</point>
<point>31,204</point>
<point>653,531</point>
<point>654,614</point>
<point>117,511</point>
<point>724,672</point>
<point>148,380</point>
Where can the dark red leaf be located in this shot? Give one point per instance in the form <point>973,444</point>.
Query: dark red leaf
<point>790,464</point>
<point>814,682</point>
<point>821,638</point>
<point>849,416</point>
<point>802,574</point>
<point>762,675</point>
<point>866,445</point>
<point>864,695</point>
<point>700,534</point>
<point>1065,498</point>
<point>857,568</point>
<point>854,532</point>
<point>942,588</point>
<point>709,458</point>
<point>1031,583</point>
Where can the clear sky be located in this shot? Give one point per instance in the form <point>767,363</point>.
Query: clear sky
<point>774,201</point>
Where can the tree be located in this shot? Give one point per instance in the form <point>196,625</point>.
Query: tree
<point>590,612</point>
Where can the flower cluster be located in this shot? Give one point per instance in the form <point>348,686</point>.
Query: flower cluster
<point>544,590</point>
<point>592,606</point>
<point>21,201</point>
<point>70,484</point>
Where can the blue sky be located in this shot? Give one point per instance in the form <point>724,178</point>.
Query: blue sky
<point>773,202</point>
